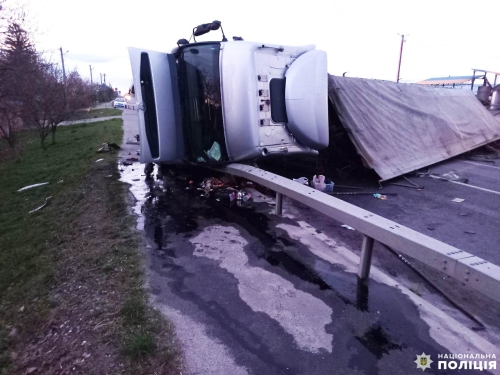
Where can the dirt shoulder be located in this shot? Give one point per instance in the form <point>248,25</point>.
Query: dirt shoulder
<point>73,299</point>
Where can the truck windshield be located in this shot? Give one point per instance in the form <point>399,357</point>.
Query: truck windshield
<point>199,83</point>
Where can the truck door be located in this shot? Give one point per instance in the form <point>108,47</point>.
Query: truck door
<point>157,95</point>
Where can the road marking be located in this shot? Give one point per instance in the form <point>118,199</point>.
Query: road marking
<point>476,187</point>
<point>481,165</point>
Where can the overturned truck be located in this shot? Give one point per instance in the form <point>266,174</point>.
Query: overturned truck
<point>213,103</point>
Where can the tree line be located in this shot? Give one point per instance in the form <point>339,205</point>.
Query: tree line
<point>34,92</point>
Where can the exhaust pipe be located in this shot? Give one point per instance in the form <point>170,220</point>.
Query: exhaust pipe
<point>280,150</point>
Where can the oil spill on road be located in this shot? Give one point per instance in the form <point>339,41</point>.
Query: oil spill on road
<point>369,322</point>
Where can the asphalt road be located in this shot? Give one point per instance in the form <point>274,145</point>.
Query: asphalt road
<point>472,225</point>
<point>253,293</point>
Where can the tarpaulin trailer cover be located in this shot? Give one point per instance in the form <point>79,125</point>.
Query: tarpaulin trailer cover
<point>398,128</point>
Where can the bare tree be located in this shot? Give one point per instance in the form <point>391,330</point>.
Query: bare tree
<point>33,92</point>
<point>76,95</point>
<point>49,100</point>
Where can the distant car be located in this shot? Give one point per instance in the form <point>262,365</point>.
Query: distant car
<point>119,103</point>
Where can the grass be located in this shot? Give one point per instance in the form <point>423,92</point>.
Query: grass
<point>140,345</point>
<point>74,263</point>
<point>95,113</point>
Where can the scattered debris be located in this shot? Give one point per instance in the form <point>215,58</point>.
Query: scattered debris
<point>42,206</point>
<point>318,182</point>
<point>223,190</point>
<point>21,309</point>
<point>211,183</point>
<point>32,186</point>
<point>469,232</point>
<point>127,163</point>
<point>430,227</point>
<point>132,159</point>
<point>60,182</point>
<point>380,196</point>
<point>347,227</point>
<point>458,200</point>
<point>132,141</point>
<point>436,177</point>
<point>98,160</point>
<point>104,148</point>
<point>136,179</point>
<point>451,176</point>
<point>463,214</point>
<point>302,180</point>
<point>411,186</point>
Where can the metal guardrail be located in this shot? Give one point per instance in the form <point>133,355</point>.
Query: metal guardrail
<point>464,267</point>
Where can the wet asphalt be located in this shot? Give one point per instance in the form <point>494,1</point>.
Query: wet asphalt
<point>248,298</point>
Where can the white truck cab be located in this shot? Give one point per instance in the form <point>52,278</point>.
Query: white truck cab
<point>221,102</point>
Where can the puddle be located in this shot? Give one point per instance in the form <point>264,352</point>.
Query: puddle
<point>134,176</point>
<point>377,342</point>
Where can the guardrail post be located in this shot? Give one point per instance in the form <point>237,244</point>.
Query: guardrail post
<point>279,203</point>
<point>366,257</point>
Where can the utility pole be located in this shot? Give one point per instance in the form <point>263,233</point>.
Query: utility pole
<point>91,83</point>
<point>62,60</point>
<point>400,56</point>
<point>104,78</point>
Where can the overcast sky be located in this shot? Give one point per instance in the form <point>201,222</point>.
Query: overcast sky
<point>360,37</point>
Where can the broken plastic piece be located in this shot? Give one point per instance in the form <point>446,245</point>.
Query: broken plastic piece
<point>347,227</point>
<point>451,176</point>
<point>214,152</point>
<point>98,160</point>
<point>104,148</point>
<point>32,186</point>
<point>42,206</point>
<point>458,200</point>
<point>302,180</point>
